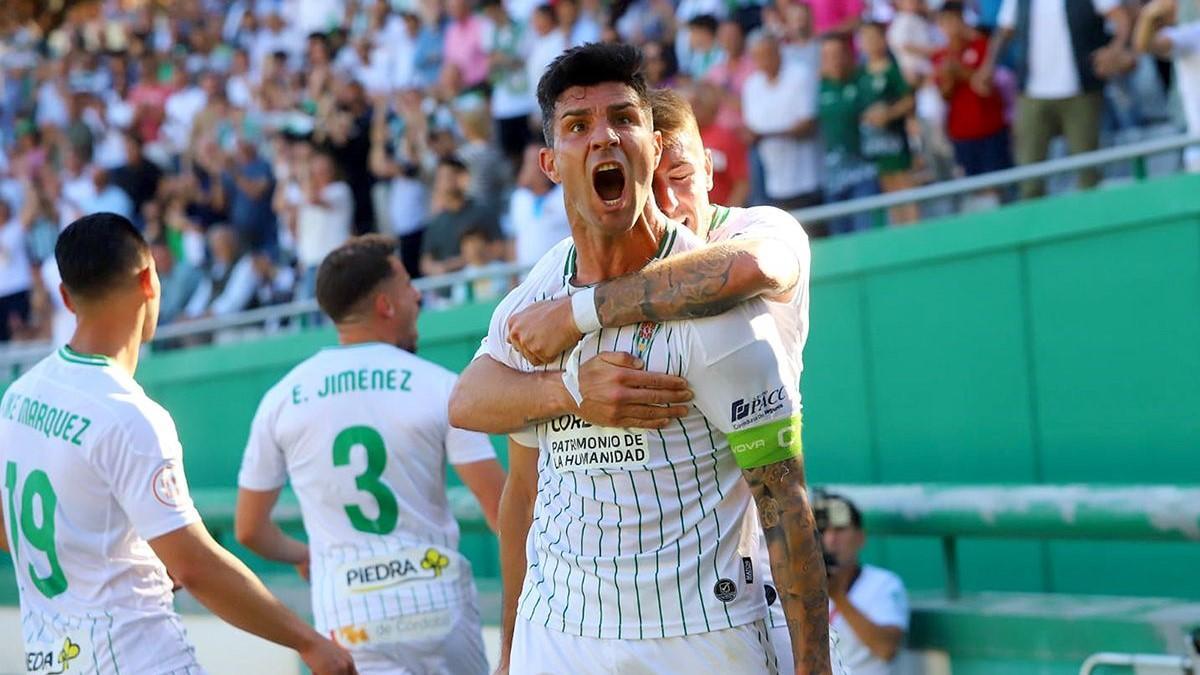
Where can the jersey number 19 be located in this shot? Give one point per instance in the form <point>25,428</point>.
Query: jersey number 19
<point>39,535</point>
<point>369,480</point>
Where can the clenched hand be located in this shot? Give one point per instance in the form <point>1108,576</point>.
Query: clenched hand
<point>543,330</point>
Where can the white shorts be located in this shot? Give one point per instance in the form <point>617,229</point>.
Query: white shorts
<point>745,650</point>
<point>443,642</point>
<point>781,640</point>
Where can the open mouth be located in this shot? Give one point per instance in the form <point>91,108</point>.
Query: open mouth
<point>608,179</point>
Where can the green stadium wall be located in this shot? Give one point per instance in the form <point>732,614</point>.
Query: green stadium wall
<point>1050,342</point>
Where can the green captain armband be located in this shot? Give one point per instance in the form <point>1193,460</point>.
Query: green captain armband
<point>767,443</point>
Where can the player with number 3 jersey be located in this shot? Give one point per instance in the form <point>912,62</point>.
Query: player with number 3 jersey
<point>361,430</point>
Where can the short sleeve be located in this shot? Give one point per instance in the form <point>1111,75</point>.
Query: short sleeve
<point>1007,17</point>
<point>496,345</point>
<point>805,99</point>
<point>777,225</point>
<point>464,447</point>
<point>888,602</point>
<point>1103,7</point>
<point>483,348</point>
<point>264,466</point>
<point>748,389</point>
<point>1185,39</point>
<point>143,464</point>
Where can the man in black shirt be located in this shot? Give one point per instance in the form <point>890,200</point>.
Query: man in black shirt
<point>453,214</point>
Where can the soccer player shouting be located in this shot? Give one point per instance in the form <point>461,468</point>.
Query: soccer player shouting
<point>638,543</point>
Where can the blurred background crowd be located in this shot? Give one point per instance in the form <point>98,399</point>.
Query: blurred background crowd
<point>248,138</point>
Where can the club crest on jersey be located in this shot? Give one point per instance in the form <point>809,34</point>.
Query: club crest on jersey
<point>165,485</point>
<point>644,337</point>
<point>725,590</point>
<point>407,566</point>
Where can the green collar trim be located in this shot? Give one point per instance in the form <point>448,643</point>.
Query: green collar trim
<point>720,215</point>
<point>73,356</point>
<point>665,246</point>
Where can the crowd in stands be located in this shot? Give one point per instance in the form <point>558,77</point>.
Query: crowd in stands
<point>247,138</point>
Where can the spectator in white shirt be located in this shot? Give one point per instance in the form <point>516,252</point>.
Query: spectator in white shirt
<point>578,27</point>
<point>546,42</point>
<point>239,88</point>
<point>868,606</point>
<point>108,198</point>
<point>1181,43</point>
<point>78,188</point>
<point>537,215</point>
<point>324,218</point>
<point>512,89</point>
<point>1066,54</point>
<point>779,105</point>
<point>229,282</point>
<point>182,107</point>
<point>16,276</point>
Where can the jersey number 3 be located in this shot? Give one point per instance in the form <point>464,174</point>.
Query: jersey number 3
<point>368,481</point>
<point>39,535</point>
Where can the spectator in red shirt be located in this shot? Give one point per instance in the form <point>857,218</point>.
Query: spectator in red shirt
<point>149,97</point>
<point>974,118</point>
<point>730,156</point>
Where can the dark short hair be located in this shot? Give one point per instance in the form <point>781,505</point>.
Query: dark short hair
<point>352,272</point>
<point>453,163</point>
<point>706,22</point>
<point>838,37</point>
<point>952,7</point>
<point>876,26</point>
<point>478,230</point>
<point>585,66</point>
<point>855,515</point>
<point>99,251</point>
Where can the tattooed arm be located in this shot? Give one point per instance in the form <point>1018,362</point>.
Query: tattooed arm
<point>493,398</point>
<point>796,562</point>
<point>700,283</point>
<point>704,282</point>
<point>746,385</point>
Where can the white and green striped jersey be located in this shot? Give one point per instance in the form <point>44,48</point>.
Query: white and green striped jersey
<point>93,469</point>
<point>791,317</point>
<point>363,433</point>
<point>644,534</point>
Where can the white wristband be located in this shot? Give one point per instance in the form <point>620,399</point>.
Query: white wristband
<point>583,307</point>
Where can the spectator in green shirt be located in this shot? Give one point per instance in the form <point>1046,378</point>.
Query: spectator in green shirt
<point>839,108</point>
<point>887,101</point>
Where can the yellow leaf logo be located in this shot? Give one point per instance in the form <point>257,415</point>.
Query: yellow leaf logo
<point>435,560</point>
<point>68,653</point>
<point>354,635</point>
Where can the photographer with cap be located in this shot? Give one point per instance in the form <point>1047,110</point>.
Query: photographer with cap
<point>868,606</point>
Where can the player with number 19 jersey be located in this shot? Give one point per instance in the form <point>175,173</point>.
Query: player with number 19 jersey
<point>363,433</point>
<point>92,470</point>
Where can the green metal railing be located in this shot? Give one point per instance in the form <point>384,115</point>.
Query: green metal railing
<point>1092,512</point>
<point>948,512</point>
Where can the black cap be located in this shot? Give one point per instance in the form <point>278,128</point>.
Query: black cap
<point>840,511</point>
